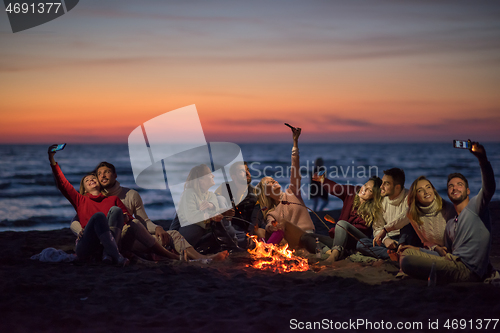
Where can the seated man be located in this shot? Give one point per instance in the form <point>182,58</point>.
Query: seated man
<point>397,230</point>
<point>395,206</point>
<point>467,236</point>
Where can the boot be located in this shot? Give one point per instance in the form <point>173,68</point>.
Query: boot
<point>111,249</point>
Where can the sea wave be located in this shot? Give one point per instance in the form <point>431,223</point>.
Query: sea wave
<point>30,199</point>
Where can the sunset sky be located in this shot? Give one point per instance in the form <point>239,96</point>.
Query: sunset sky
<point>364,71</point>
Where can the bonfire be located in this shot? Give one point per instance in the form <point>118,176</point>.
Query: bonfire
<point>276,258</point>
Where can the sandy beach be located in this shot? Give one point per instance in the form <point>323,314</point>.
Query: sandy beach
<point>227,296</point>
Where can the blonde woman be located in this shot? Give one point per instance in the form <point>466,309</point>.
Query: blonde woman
<point>428,214</point>
<point>198,206</point>
<point>361,213</point>
<point>284,211</point>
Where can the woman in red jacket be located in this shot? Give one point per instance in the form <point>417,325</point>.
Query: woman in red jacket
<point>96,213</point>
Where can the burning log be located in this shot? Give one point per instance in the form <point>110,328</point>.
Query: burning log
<point>276,258</point>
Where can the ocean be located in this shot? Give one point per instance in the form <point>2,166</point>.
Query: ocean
<point>29,199</point>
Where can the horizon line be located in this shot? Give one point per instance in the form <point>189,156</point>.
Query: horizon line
<point>251,142</point>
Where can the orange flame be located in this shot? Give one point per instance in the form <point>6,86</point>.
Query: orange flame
<point>276,258</point>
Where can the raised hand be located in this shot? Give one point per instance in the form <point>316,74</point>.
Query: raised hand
<point>478,151</point>
<point>51,154</point>
<point>317,178</point>
<point>296,133</point>
<point>51,148</point>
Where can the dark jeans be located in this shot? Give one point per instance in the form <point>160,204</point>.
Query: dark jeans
<point>365,246</point>
<point>115,223</point>
<point>90,244</point>
<point>408,236</point>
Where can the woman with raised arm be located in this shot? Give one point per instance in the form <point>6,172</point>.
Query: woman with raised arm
<point>361,213</point>
<point>285,214</point>
<point>96,212</point>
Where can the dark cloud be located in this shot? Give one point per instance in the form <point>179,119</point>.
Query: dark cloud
<point>255,122</point>
<point>465,123</point>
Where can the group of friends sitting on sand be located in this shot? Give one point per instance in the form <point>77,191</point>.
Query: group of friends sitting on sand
<point>382,219</point>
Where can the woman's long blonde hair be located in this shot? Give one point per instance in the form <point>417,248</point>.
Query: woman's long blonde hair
<point>371,209</point>
<point>267,204</point>
<point>195,173</point>
<point>414,211</point>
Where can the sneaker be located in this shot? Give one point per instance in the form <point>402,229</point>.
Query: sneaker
<point>401,275</point>
<point>106,259</point>
<point>122,261</point>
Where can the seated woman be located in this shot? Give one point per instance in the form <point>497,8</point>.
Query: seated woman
<point>428,214</point>
<point>95,212</point>
<point>284,212</point>
<point>198,206</point>
<point>362,210</point>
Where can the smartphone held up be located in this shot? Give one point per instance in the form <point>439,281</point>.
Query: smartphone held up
<point>461,144</point>
<point>58,147</point>
<point>321,176</point>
